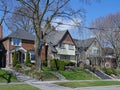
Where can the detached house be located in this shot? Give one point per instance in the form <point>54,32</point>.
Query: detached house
<point>88,51</point>
<point>21,42</point>
<point>61,45</point>
<point>57,44</point>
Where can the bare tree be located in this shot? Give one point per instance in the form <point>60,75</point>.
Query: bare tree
<point>4,6</point>
<point>107,31</point>
<point>43,10</point>
<point>19,20</point>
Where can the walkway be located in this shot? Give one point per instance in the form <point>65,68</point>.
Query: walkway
<point>48,85</point>
<point>42,85</point>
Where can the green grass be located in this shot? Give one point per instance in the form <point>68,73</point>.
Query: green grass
<point>48,76</point>
<point>17,87</point>
<point>80,74</point>
<point>87,83</point>
<point>4,73</point>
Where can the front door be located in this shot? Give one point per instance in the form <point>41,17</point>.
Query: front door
<point>20,56</point>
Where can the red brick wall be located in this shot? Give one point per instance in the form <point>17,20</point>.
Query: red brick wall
<point>1,33</point>
<point>28,45</point>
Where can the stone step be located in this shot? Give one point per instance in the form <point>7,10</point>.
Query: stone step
<point>61,77</point>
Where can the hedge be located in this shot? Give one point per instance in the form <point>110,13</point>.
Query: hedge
<point>56,64</point>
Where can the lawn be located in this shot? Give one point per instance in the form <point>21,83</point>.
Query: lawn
<point>78,74</point>
<point>4,75</point>
<point>17,87</point>
<point>87,83</point>
<point>45,75</point>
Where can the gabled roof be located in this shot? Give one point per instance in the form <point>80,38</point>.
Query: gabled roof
<point>55,36</point>
<point>84,43</point>
<point>21,34</point>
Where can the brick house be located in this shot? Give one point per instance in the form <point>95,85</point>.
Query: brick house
<point>21,42</point>
<point>56,44</point>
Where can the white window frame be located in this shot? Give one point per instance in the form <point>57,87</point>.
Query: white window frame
<point>71,47</point>
<point>62,46</point>
<point>95,51</point>
<point>16,44</point>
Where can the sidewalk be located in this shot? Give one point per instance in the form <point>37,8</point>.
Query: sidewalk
<point>42,85</point>
<point>48,85</point>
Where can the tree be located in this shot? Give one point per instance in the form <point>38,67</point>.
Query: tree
<point>107,31</point>
<point>15,60</point>
<point>42,10</point>
<point>18,20</point>
<point>4,6</point>
<point>27,58</point>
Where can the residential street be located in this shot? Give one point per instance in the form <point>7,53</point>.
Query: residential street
<point>100,88</point>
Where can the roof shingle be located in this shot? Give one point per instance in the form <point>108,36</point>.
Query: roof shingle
<point>21,34</point>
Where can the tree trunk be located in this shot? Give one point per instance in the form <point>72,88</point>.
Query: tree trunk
<point>38,50</point>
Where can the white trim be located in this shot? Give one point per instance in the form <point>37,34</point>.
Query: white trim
<point>19,48</point>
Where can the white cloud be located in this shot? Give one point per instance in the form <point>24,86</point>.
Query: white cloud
<point>63,24</point>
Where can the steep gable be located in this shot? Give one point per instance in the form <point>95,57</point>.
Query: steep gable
<point>67,39</point>
<point>85,44</point>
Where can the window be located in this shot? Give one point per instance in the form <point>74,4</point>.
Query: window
<point>62,46</point>
<point>64,57</point>
<point>16,42</point>
<point>95,51</point>
<point>32,57</point>
<point>71,47</point>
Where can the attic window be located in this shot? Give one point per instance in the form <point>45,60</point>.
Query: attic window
<point>16,42</point>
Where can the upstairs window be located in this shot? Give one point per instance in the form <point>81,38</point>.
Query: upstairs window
<point>71,47</point>
<point>16,42</point>
<point>95,51</point>
<point>62,46</point>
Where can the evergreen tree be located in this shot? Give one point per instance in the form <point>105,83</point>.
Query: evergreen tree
<point>15,60</point>
<point>27,58</point>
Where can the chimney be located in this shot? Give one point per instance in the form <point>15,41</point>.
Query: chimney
<point>1,32</point>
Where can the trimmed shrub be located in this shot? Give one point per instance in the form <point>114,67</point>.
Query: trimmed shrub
<point>60,64</point>
<point>15,60</point>
<point>27,62</point>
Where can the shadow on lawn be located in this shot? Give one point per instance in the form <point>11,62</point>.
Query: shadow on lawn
<point>7,77</point>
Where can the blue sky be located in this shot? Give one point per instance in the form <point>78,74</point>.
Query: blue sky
<point>93,11</point>
<point>103,8</point>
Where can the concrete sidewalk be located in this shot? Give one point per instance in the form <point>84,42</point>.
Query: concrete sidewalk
<point>42,85</point>
<point>48,85</point>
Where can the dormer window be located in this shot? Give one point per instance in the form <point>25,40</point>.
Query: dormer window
<point>16,42</point>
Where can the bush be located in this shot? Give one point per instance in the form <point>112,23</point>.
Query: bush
<point>28,62</point>
<point>60,64</point>
<point>15,60</point>
<point>44,62</point>
<point>109,71</point>
<point>18,66</point>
